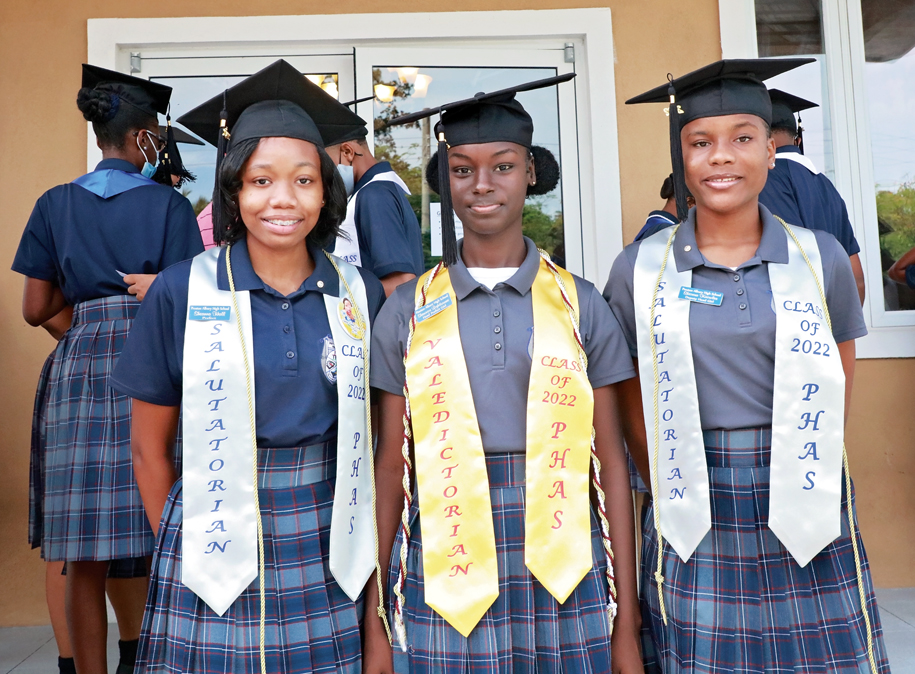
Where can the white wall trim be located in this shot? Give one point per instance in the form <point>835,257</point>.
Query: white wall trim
<point>110,42</point>
<point>737,21</point>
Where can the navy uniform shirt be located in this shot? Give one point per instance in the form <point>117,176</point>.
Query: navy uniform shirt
<point>390,239</point>
<point>80,241</point>
<point>734,344</point>
<point>496,327</point>
<point>800,197</point>
<point>657,220</point>
<point>296,399</point>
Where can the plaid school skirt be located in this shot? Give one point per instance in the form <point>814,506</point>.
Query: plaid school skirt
<point>741,603</point>
<point>311,625</point>
<point>36,455</point>
<point>92,507</point>
<point>525,630</point>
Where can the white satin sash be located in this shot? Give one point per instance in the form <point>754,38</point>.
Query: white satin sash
<point>798,159</point>
<point>347,246</point>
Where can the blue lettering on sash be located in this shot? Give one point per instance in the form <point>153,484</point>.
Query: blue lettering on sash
<point>217,328</point>
<point>353,499</point>
<point>218,525</point>
<point>667,415</point>
<point>711,297</point>
<point>675,474</point>
<point>199,312</point>
<point>672,450</point>
<point>215,346</point>
<point>659,302</point>
<point>805,417</point>
<point>211,382</point>
<point>351,520</point>
<point>809,477</point>
<point>659,339</point>
<point>215,404</point>
<point>666,394</point>
<point>803,308</point>
<point>677,493</point>
<point>213,367</point>
<point>661,355</point>
<point>217,502</point>
<point>350,351</point>
<point>216,484</point>
<point>657,321</point>
<point>811,389</point>
<point>670,434</point>
<point>355,472</point>
<point>217,441</point>
<point>212,546</point>
<point>218,468</point>
<point>811,448</point>
<point>436,306</point>
<point>214,424</point>
<point>664,376</point>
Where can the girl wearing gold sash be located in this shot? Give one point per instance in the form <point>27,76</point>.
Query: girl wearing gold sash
<point>744,329</point>
<point>497,372</point>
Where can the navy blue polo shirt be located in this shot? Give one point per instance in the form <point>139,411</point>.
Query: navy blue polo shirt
<point>734,344</point>
<point>800,197</point>
<point>80,241</point>
<point>497,329</point>
<point>296,395</point>
<point>657,220</point>
<point>390,238</point>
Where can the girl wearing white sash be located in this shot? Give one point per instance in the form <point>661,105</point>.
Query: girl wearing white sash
<point>743,328</point>
<point>500,562</point>
<point>261,343</point>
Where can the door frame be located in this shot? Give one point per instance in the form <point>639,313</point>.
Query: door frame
<point>589,31</point>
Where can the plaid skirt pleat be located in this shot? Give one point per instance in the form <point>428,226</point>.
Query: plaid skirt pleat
<point>311,625</point>
<point>92,507</point>
<point>741,604</point>
<point>525,630</point>
<point>36,455</point>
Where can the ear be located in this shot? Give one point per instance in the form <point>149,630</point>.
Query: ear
<point>770,146</point>
<point>531,171</point>
<point>347,151</point>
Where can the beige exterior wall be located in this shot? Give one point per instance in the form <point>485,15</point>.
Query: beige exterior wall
<point>42,141</point>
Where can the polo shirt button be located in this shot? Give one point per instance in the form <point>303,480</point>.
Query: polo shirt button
<point>497,329</point>
<point>687,248</point>
<point>290,354</point>
<point>736,277</point>
<point>285,305</point>
<point>286,329</point>
<point>320,284</point>
<point>743,306</point>
<point>498,346</point>
<point>496,313</point>
<point>740,291</point>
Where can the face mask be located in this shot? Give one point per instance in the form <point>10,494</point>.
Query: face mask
<point>148,170</point>
<point>349,178</point>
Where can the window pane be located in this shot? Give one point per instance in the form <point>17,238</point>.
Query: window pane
<point>889,73</point>
<point>403,89</point>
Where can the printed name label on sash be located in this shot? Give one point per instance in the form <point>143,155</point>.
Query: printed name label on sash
<point>436,306</point>
<point>701,296</point>
<point>204,312</point>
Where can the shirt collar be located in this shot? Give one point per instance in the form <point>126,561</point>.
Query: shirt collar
<point>117,164</point>
<point>786,149</point>
<point>522,280</point>
<point>246,279</point>
<point>773,244</point>
<point>380,167</point>
<point>664,214</point>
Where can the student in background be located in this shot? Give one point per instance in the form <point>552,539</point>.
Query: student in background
<point>81,238</point>
<point>667,216</point>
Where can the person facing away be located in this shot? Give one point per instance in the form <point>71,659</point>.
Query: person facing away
<point>665,217</point>
<point>743,330</point>
<point>380,232</point>
<point>503,566</point>
<point>800,194</point>
<point>261,340</point>
<point>80,240</point>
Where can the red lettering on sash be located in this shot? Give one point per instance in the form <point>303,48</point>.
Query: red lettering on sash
<point>442,454</point>
<point>441,416</point>
<point>557,461</point>
<point>458,567</point>
<point>449,469</point>
<point>558,521</point>
<point>439,398</point>
<point>454,527</point>
<point>559,427</point>
<point>432,343</point>
<point>444,434</point>
<point>435,360</point>
<point>459,548</point>
<point>453,510</point>
<point>436,379</point>
<point>559,489</point>
<point>453,490</point>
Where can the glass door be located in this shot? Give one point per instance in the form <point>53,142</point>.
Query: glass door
<point>406,80</point>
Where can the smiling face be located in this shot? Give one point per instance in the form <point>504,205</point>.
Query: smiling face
<point>281,193</point>
<point>726,160</point>
<point>489,185</point>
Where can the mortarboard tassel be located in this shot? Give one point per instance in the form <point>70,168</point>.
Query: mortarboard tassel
<point>449,239</point>
<point>676,153</point>
<point>222,145</point>
<point>800,135</point>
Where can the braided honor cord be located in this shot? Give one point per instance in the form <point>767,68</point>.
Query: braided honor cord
<point>851,518</point>
<point>399,626</point>
<point>362,325</point>
<point>655,489</point>
<point>257,503</point>
<point>596,481</point>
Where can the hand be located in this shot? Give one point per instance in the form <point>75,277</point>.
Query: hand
<point>897,272</point>
<point>377,656</point>
<point>625,653</point>
<point>138,284</point>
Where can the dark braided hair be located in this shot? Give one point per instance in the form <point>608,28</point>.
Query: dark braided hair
<point>112,117</point>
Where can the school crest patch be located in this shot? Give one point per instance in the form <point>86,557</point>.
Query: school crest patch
<point>329,360</point>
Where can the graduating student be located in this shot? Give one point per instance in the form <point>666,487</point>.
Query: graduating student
<point>496,371</point>
<point>667,216</point>
<point>796,191</point>
<point>380,232</point>
<point>78,238</point>
<point>262,345</point>
<point>744,329</point>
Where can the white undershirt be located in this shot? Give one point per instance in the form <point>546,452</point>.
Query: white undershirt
<point>491,277</point>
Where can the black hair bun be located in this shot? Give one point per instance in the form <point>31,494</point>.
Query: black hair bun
<point>545,165</point>
<point>547,169</point>
<point>97,106</point>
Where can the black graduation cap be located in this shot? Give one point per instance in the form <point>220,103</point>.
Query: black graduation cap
<point>727,87</point>
<point>170,163</point>
<point>485,118</point>
<point>180,136</point>
<point>277,101</point>
<point>150,97</point>
<point>784,105</point>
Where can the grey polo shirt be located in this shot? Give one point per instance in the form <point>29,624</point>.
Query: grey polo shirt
<point>496,327</point>
<point>734,344</point>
